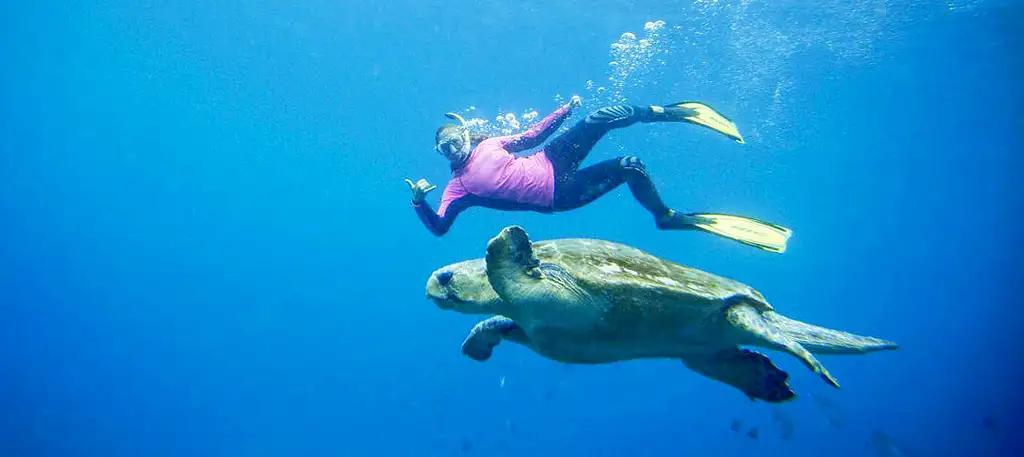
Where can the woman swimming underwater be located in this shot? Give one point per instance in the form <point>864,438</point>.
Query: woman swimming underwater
<point>485,172</point>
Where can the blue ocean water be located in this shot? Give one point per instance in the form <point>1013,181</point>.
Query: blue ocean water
<point>207,247</point>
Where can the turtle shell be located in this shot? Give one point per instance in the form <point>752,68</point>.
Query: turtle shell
<point>619,272</point>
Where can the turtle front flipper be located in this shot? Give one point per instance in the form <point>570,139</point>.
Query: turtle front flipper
<point>511,264</point>
<point>521,279</point>
<point>487,334</point>
<point>750,372</point>
<point>746,318</point>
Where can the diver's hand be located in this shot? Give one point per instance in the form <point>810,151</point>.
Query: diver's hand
<point>419,189</point>
<point>575,101</point>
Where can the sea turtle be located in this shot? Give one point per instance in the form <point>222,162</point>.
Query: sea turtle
<point>592,301</point>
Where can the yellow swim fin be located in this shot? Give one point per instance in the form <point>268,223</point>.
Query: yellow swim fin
<point>752,232</point>
<point>707,116</point>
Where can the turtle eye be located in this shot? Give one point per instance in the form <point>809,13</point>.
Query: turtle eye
<point>444,278</point>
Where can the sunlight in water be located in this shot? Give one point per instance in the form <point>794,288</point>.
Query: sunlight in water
<point>763,41</point>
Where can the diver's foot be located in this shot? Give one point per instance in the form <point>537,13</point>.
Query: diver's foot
<point>671,113</point>
<point>696,113</point>
<point>673,220</point>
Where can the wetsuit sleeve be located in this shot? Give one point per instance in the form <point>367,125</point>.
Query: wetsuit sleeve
<point>539,132</point>
<point>438,224</point>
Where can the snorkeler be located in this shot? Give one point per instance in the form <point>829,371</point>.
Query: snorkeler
<point>485,172</point>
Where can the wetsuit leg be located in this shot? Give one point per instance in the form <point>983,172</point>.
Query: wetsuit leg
<point>590,183</point>
<point>568,150</point>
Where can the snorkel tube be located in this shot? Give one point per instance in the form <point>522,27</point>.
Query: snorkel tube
<point>444,133</point>
<point>455,116</point>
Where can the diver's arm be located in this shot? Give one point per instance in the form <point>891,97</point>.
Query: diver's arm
<point>540,131</point>
<point>439,224</point>
<point>436,224</point>
<point>453,201</point>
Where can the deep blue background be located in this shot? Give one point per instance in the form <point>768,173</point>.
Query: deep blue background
<point>206,246</point>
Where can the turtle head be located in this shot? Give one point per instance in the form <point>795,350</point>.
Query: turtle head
<point>463,287</point>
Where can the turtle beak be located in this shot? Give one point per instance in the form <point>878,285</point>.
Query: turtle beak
<point>436,290</point>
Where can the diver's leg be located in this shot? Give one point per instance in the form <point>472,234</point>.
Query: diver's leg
<point>569,149</point>
<point>591,183</point>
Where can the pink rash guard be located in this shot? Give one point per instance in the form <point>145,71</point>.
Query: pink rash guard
<point>493,177</point>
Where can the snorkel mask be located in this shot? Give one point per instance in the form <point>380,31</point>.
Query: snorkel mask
<point>453,141</point>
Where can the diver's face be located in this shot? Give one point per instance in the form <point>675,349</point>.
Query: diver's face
<point>456,147</point>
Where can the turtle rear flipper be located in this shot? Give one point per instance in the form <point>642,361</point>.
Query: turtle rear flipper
<point>746,318</point>
<point>750,372</point>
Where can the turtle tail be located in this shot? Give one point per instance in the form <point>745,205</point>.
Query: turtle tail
<point>821,340</point>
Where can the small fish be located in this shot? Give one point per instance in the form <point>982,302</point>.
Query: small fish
<point>753,433</point>
<point>466,445</point>
<point>884,445</point>
<point>989,423</point>
<point>836,421</point>
<point>824,402</point>
<point>736,425</point>
<point>786,426</point>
